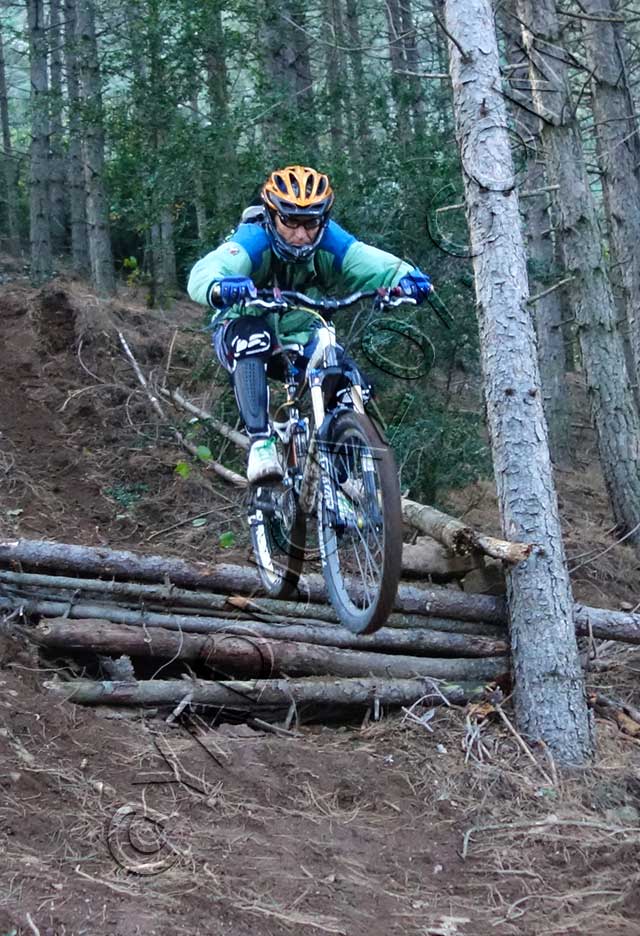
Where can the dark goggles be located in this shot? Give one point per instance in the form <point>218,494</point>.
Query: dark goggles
<point>292,222</point>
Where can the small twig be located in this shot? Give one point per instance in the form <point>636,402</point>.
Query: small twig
<point>32,926</point>
<point>545,292</point>
<point>180,523</point>
<point>521,742</point>
<point>463,55</point>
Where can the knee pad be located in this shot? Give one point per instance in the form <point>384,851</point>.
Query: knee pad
<point>248,337</point>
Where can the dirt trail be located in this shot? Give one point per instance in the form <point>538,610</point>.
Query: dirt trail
<point>356,829</point>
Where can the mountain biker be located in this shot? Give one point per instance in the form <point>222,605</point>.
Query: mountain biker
<point>288,242</point>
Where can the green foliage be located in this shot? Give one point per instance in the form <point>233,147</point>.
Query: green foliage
<point>227,540</point>
<point>127,495</point>
<point>438,449</point>
<point>183,469</point>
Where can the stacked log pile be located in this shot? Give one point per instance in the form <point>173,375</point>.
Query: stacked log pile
<point>127,611</point>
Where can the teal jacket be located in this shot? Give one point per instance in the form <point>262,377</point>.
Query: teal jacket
<point>341,265</point>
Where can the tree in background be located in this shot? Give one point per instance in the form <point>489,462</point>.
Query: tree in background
<point>613,409</point>
<point>39,177</point>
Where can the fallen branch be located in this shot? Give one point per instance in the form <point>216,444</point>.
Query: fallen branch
<point>252,694</point>
<point>426,557</point>
<point>231,476</point>
<point>203,415</point>
<point>461,539</point>
<point>253,655</point>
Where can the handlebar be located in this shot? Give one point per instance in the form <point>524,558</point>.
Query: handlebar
<point>283,300</point>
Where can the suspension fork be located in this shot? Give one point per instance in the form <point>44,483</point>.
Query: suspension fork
<point>313,464</point>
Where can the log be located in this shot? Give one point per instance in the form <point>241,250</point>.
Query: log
<point>255,656</point>
<point>607,625</point>
<point>458,537</point>
<point>427,558</point>
<point>101,562</point>
<point>259,693</point>
<point>177,600</point>
<point>435,602</point>
<point>418,642</point>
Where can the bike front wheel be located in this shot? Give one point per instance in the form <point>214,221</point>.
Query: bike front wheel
<point>360,524</point>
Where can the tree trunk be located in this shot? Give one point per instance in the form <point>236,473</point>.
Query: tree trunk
<point>57,187</point>
<point>413,65</point>
<point>288,67</point>
<point>9,165</point>
<point>618,146</point>
<point>550,699</point>
<point>541,250</point>
<point>251,655</point>
<point>398,67</point>
<point>360,96</point>
<point>613,410</point>
<point>257,694</point>
<point>80,260</point>
<point>40,232</point>
<point>102,270</point>
<point>334,77</point>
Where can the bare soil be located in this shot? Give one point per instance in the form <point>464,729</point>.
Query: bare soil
<point>113,823</point>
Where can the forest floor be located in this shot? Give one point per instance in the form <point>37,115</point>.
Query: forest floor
<point>364,828</point>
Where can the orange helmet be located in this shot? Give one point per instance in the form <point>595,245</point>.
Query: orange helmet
<point>296,191</point>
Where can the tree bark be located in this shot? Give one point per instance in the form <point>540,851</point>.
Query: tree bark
<point>230,654</point>
<point>80,260</point>
<point>252,694</point>
<point>9,165</point>
<point>613,410</point>
<point>550,699</point>
<point>102,271</point>
<point>618,146</point>
<point>40,232</point>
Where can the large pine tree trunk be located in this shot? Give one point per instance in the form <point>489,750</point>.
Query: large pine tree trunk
<point>102,271</point>
<point>550,696</point>
<point>288,67</point>
<point>57,185</point>
<point>40,232</point>
<point>358,81</point>
<point>618,145</point>
<point>541,249</point>
<point>10,173</point>
<point>613,408</point>
<point>80,260</point>
<point>412,57</point>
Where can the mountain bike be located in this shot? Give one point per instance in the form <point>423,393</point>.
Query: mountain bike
<point>338,469</point>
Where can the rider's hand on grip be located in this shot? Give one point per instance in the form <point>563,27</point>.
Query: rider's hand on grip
<point>230,290</point>
<point>416,285</point>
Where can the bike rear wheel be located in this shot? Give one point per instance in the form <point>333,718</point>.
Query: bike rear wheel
<point>278,532</point>
<point>361,549</point>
